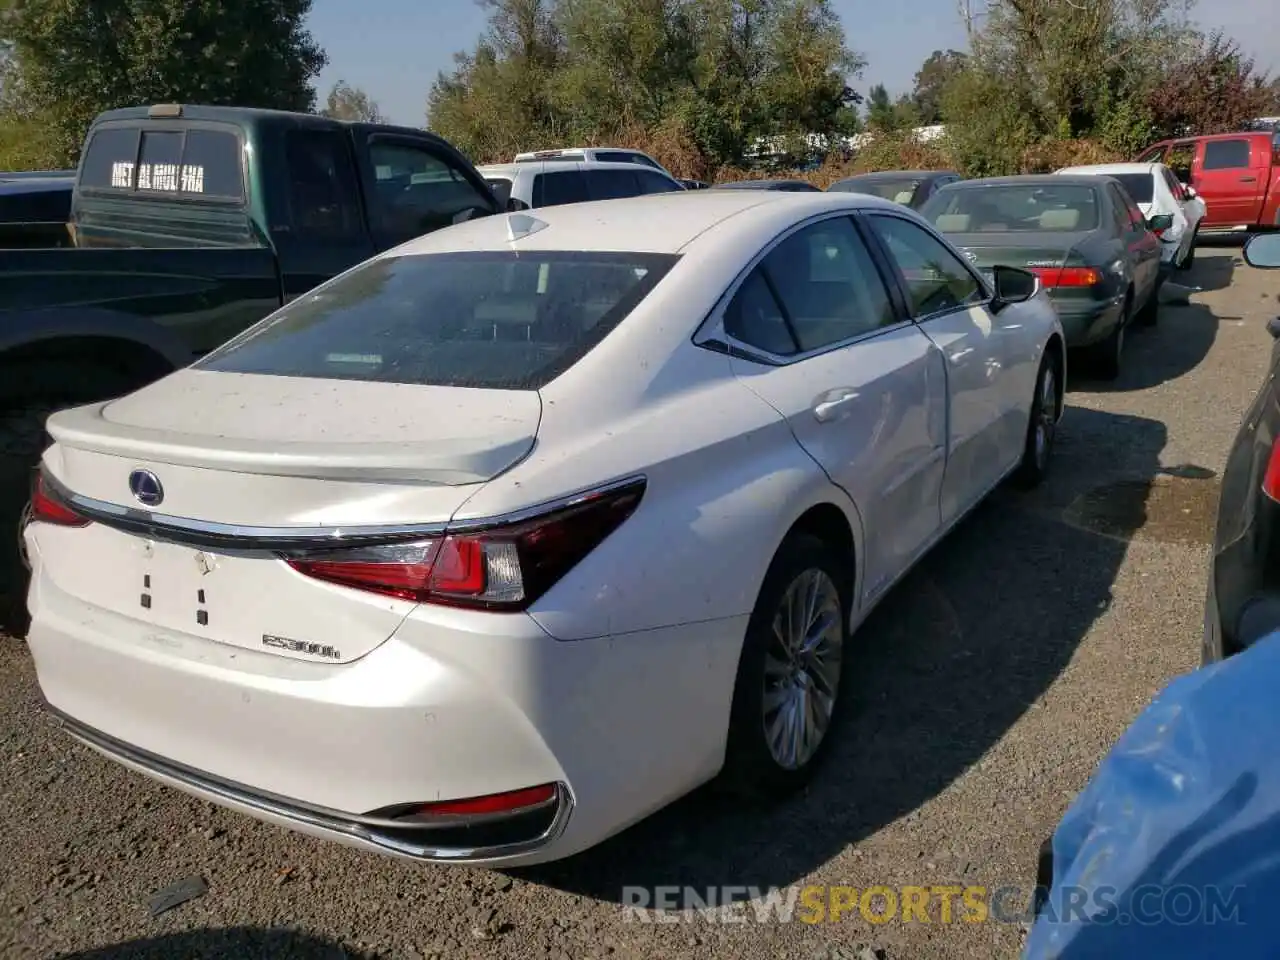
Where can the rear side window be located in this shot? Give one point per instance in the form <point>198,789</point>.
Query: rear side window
<point>1226,154</point>
<point>491,319</point>
<point>564,186</point>
<point>183,162</point>
<point>322,186</point>
<point>1140,186</point>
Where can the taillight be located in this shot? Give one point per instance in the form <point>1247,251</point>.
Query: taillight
<point>1067,276</point>
<point>46,508</point>
<point>1271,479</point>
<point>500,567</point>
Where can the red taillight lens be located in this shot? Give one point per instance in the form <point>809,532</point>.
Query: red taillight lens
<point>1271,479</point>
<point>513,802</point>
<point>501,567</point>
<point>45,508</point>
<point>1067,276</point>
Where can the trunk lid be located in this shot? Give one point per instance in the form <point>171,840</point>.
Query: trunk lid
<point>1022,250</point>
<point>266,456</point>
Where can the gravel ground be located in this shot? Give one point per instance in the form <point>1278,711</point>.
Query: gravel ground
<point>996,676</point>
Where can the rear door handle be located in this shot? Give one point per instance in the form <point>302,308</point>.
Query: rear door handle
<point>1248,179</point>
<point>833,404</point>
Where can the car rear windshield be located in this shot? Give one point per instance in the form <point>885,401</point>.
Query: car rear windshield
<point>180,162</point>
<point>899,191</point>
<point>1021,208</point>
<point>491,319</point>
<point>1140,186</point>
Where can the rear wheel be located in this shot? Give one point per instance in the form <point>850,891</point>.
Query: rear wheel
<point>788,693</point>
<point>1190,259</point>
<point>41,389</point>
<point>1106,356</point>
<point>1042,427</point>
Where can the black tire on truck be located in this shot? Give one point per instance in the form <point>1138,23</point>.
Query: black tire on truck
<point>31,391</point>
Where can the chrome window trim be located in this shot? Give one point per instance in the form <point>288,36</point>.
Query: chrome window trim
<point>188,531</point>
<point>988,290</point>
<point>712,327</point>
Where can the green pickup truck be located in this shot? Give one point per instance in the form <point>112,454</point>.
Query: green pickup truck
<point>189,224</point>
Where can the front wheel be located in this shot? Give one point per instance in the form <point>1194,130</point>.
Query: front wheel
<point>788,691</point>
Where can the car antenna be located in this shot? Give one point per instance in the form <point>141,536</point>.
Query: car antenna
<point>521,225</point>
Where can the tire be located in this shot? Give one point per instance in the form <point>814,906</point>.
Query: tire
<point>1149,315</point>
<point>40,390</point>
<point>1189,260</point>
<point>1041,428</point>
<point>1106,356</point>
<point>752,769</point>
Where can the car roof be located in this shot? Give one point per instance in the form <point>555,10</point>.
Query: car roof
<point>1108,168</point>
<point>654,223</point>
<point>556,166</point>
<point>1026,180</point>
<point>898,175</point>
<point>759,184</point>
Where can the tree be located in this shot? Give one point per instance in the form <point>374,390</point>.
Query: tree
<point>1214,89</point>
<point>76,58</point>
<point>935,74</point>
<point>716,74</point>
<point>881,114</point>
<point>351,103</point>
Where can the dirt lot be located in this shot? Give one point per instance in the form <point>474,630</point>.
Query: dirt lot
<point>995,677</point>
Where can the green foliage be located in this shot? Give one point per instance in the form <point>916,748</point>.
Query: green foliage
<point>714,73</point>
<point>932,80</point>
<point>351,103</point>
<point>76,58</point>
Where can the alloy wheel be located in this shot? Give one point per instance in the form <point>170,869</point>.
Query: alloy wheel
<point>1046,416</point>
<point>802,668</point>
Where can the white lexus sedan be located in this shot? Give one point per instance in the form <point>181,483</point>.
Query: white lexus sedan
<point>502,540</point>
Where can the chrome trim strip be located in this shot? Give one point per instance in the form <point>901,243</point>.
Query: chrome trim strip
<point>334,822</point>
<point>231,536</point>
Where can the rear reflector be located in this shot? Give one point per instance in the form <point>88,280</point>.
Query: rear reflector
<point>45,508</point>
<point>1067,276</point>
<point>515,801</point>
<point>505,566</point>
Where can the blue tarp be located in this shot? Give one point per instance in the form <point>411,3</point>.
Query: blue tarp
<point>1173,848</point>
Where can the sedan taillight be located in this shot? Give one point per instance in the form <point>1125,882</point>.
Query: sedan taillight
<point>1067,276</point>
<point>47,507</point>
<point>503,567</point>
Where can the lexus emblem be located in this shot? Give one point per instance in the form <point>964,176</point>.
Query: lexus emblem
<point>145,487</point>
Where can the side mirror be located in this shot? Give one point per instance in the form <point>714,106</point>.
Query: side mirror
<point>1263,251</point>
<point>1190,191</point>
<point>1160,222</point>
<point>1014,285</point>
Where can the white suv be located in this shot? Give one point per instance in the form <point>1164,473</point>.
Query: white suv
<point>546,183</point>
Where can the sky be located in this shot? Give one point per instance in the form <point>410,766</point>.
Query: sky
<point>393,49</point>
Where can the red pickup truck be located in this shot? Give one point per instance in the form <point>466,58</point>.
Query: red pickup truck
<point>1236,174</point>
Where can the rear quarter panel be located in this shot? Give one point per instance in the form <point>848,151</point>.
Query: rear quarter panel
<point>186,300</point>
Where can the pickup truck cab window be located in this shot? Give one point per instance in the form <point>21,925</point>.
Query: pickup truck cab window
<point>564,186</point>
<point>322,187</point>
<point>186,163</point>
<point>417,191</point>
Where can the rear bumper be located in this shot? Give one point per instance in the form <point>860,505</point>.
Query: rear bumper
<point>1084,324</point>
<point>454,705</point>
